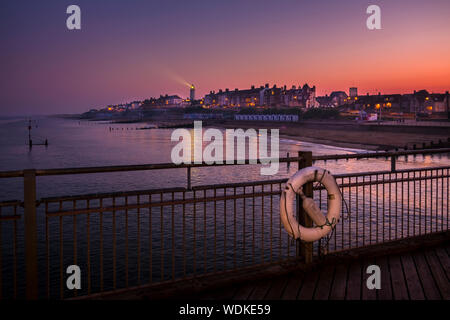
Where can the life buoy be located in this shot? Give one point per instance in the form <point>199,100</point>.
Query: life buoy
<point>323,225</point>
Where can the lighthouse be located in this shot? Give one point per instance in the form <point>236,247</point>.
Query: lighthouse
<point>192,93</point>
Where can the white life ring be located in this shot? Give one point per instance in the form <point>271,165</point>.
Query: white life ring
<point>323,225</point>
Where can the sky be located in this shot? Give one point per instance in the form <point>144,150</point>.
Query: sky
<point>135,49</point>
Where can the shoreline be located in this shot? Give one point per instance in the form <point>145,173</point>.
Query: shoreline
<point>332,143</point>
<point>343,134</point>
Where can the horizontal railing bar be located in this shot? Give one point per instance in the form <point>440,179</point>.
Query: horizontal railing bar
<point>10,203</point>
<point>9,218</point>
<point>157,166</point>
<point>161,166</point>
<point>387,181</point>
<point>233,185</point>
<point>159,204</point>
<point>374,173</point>
<point>113,194</point>
<point>11,174</point>
<point>238,184</point>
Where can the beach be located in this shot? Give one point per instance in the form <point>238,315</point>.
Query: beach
<point>348,134</point>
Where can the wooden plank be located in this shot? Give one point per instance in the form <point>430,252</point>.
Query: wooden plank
<point>438,274</point>
<point>398,279</point>
<point>385,293</point>
<point>354,281</point>
<point>222,294</point>
<point>367,294</point>
<point>243,292</point>
<point>260,290</point>
<point>429,286</point>
<point>309,285</point>
<point>445,260</point>
<point>339,283</point>
<point>277,288</point>
<point>324,284</point>
<point>413,284</point>
<point>293,286</point>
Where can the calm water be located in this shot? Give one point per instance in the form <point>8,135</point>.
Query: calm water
<point>78,144</point>
<point>176,239</point>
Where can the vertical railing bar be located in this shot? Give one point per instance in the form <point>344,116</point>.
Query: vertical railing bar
<point>61,252</point>
<point>442,199</point>
<point>414,206</point>
<point>426,198</point>
<point>243,226</point>
<point>436,179</point>
<point>162,237</point>
<point>195,232</point>
<point>396,206</point>
<point>173,236</point>
<point>215,229</point>
<point>1,255</point>
<point>204,231</point>
<point>271,217</point>
<point>88,231</point>
<point>150,240</point>
<point>101,246</point>
<point>47,247</point>
<point>348,214</point>
<point>253,223</point>
<point>279,230</point>
<point>138,200</point>
<point>370,209</point>
<point>126,242</point>
<point>350,210</point>
<point>15,256</point>
<point>184,234</point>
<point>234,228</point>
<point>224,229</point>
<point>384,208</point>
<point>114,241</point>
<point>75,240</point>
<point>262,224</point>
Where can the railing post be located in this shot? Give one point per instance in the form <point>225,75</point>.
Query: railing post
<point>305,249</point>
<point>29,179</point>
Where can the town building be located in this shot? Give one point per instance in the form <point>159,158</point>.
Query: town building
<point>264,96</point>
<point>267,117</point>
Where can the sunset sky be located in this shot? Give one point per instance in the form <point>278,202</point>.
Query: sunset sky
<point>135,49</point>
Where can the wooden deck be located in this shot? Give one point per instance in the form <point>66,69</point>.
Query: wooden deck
<point>420,275</point>
<point>416,268</point>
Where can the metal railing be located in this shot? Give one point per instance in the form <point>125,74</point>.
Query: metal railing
<point>127,239</point>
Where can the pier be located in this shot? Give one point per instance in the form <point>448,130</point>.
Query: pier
<point>202,239</point>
